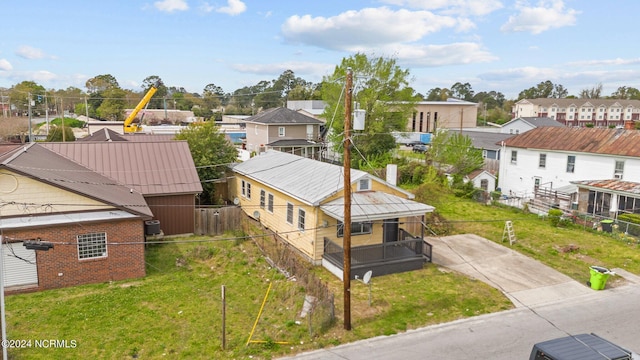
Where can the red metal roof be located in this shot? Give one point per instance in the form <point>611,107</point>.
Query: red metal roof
<point>619,142</point>
<point>152,168</point>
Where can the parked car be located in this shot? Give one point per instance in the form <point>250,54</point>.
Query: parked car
<point>579,347</point>
<point>420,148</point>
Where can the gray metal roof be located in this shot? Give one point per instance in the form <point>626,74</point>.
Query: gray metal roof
<point>152,168</point>
<point>484,139</point>
<point>536,121</point>
<point>375,205</point>
<point>309,181</point>
<point>40,163</point>
<point>582,347</point>
<point>277,116</point>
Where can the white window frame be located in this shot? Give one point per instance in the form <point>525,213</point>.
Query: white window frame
<point>364,184</point>
<point>270,203</point>
<point>357,228</point>
<point>542,161</point>
<point>301,219</point>
<point>514,156</point>
<point>92,245</point>
<point>281,131</point>
<point>262,198</point>
<point>289,213</point>
<point>618,171</point>
<point>571,165</point>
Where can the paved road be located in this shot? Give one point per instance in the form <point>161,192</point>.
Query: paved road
<point>548,305</point>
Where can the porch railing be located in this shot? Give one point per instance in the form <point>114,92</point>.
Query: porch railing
<point>411,248</point>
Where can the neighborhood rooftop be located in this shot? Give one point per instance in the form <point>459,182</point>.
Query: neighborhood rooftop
<point>587,140</point>
<point>282,116</point>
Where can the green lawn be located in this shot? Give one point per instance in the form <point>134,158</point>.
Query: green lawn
<point>176,310</point>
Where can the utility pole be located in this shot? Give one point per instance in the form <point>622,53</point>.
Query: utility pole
<point>2,310</point>
<point>62,110</point>
<point>46,111</point>
<point>86,108</point>
<point>346,224</point>
<point>29,107</point>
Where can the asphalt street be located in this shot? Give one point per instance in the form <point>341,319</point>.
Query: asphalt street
<point>548,305</point>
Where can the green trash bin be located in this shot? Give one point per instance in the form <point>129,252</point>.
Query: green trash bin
<point>599,276</point>
<point>607,225</point>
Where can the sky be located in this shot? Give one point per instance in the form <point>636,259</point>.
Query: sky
<point>499,45</point>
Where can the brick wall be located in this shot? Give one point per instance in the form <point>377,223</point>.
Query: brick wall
<point>60,267</point>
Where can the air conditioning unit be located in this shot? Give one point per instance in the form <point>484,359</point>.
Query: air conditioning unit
<point>617,176</point>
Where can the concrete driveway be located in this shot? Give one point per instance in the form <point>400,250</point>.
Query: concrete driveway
<point>525,281</point>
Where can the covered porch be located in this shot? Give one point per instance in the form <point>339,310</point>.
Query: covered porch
<point>393,249</point>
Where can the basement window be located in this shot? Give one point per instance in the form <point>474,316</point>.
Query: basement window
<point>91,246</point>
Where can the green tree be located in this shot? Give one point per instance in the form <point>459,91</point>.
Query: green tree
<point>438,94</point>
<point>98,88</point>
<point>19,96</point>
<point>592,93</point>
<point>381,89</point>
<point>455,151</point>
<point>627,93</point>
<point>211,152</point>
<point>545,89</point>
<point>462,91</point>
<point>113,105</point>
<point>156,101</point>
<point>60,133</point>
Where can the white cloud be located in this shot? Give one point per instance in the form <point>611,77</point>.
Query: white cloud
<point>458,7</point>
<point>607,62</point>
<point>441,55</point>
<point>30,53</point>
<point>364,29</point>
<point>171,5</point>
<point>297,67</point>
<point>548,14</point>
<point>5,65</point>
<point>206,7</point>
<point>234,7</point>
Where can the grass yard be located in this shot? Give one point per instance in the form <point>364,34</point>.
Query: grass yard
<point>176,311</point>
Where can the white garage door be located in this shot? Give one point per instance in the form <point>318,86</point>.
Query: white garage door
<point>19,265</point>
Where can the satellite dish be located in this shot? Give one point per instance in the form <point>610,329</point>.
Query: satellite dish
<point>236,201</point>
<point>367,277</point>
<point>256,214</point>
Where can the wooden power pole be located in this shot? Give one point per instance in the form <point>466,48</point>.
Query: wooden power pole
<point>346,224</point>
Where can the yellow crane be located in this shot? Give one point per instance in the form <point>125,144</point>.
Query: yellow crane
<point>129,125</point>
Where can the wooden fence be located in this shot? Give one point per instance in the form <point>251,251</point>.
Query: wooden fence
<point>215,221</point>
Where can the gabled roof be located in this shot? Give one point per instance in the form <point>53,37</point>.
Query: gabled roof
<point>152,168</point>
<point>484,139</point>
<point>104,134</point>
<point>40,163</point>
<point>282,116</point>
<point>536,121</point>
<point>475,173</point>
<point>309,181</point>
<point>587,140</point>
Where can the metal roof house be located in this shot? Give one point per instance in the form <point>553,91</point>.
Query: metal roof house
<point>284,130</point>
<point>302,201</point>
<point>95,223</point>
<point>523,124</point>
<point>162,171</point>
<point>550,159</point>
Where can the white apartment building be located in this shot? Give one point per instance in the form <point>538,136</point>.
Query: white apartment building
<point>580,112</point>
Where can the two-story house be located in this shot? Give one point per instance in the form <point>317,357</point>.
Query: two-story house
<point>580,112</point>
<point>302,201</point>
<point>555,161</point>
<point>284,130</point>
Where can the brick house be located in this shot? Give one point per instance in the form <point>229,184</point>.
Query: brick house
<point>95,223</point>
